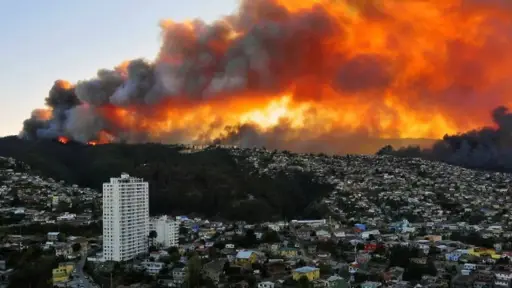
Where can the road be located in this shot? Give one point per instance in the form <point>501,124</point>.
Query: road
<point>79,277</point>
<point>304,255</point>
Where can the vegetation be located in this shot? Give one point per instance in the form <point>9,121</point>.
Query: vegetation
<point>33,267</point>
<point>91,230</point>
<point>211,183</point>
<point>193,272</point>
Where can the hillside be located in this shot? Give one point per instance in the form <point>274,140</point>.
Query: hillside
<point>211,182</point>
<point>260,185</point>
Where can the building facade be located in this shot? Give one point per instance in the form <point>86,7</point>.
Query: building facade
<point>125,218</point>
<point>167,231</point>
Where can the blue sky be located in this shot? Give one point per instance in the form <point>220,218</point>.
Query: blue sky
<point>60,39</point>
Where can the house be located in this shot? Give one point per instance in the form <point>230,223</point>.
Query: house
<point>288,252</point>
<point>304,234</point>
<point>245,257</point>
<point>178,276</point>
<point>336,282</point>
<point>266,284</point>
<point>84,243</point>
<point>433,238</point>
<point>63,249</point>
<point>242,284</point>
<point>311,273</point>
<point>367,234</point>
<point>454,256</point>
<point>61,273</point>
<point>213,270</point>
<point>323,235</point>
<point>153,268</point>
<point>370,247</point>
<point>319,283</point>
<point>480,252</point>
<point>502,278</point>
<point>463,281</point>
<point>53,236</point>
<point>4,277</point>
<point>370,284</point>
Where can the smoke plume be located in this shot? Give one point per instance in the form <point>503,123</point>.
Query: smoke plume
<point>489,148</point>
<point>305,75</point>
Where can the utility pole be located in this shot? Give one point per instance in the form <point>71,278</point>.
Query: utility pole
<point>19,244</point>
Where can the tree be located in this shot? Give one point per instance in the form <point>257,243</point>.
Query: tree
<point>173,249</point>
<point>212,252</point>
<point>381,250</point>
<point>250,238</point>
<point>180,183</point>
<point>183,230</point>
<point>152,234</point>
<point>399,256</point>
<point>325,269</point>
<point>226,267</point>
<point>303,282</point>
<point>151,239</point>
<point>63,206</point>
<point>270,236</point>
<point>61,237</point>
<point>431,268</point>
<point>193,271</point>
<point>164,271</point>
<point>76,247</point>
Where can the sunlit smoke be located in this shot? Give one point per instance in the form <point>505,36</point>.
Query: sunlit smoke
<point>304,75</point>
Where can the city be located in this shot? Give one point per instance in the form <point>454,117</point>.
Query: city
<point>256,144</point>
<point>109,239</point>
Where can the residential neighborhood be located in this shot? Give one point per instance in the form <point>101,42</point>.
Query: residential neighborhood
<point>389,222</point>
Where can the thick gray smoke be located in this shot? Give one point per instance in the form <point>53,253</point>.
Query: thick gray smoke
<point>196,65</point>
<point>61,99</point>
<point>488,148</point>
<point>265,50</point>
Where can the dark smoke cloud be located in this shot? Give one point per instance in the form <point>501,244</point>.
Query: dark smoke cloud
<point>488,148</point>
<point>61,99</point>
<point>277,49</point>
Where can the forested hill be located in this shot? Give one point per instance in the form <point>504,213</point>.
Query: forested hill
<point>211,182</point>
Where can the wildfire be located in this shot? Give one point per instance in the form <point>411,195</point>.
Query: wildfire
<point>63,140</point>
<point>282,72</point>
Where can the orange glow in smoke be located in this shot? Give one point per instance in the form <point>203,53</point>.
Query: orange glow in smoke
<point>442,64</point>
<point>63,140</point>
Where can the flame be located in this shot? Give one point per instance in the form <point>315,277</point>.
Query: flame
<point>413,37</point>
<point>63,140</point>
<point>385,69</point>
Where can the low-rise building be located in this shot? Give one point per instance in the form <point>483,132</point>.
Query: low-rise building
<point>311,273</point>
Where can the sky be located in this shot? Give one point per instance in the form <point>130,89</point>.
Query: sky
<point>43,41</point>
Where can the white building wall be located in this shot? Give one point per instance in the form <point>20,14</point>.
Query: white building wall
<point>167,231</point>
<point>125,218</point>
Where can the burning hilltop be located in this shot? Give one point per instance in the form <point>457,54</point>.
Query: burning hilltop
<point>304,75</point>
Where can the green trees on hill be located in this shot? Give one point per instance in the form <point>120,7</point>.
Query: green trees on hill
<point>211,183</point>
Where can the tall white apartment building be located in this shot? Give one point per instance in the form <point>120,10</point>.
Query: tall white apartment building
<point>167,231</point>
<point>125,218</point>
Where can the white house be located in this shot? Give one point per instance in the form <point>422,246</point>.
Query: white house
<point>266,284</point>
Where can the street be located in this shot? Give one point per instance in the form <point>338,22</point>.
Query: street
<point>304,255</point>
<point>79,277</point>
